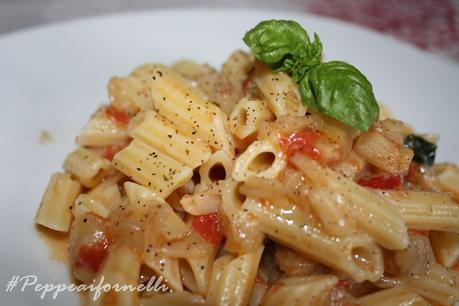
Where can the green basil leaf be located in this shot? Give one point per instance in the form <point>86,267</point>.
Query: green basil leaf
<point>343,92</point>
<point>313,55</point>
<point>424,151</point>
<point>306,92</point>
<point>283,45</point>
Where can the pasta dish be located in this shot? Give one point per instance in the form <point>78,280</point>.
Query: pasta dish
<point>276,180</point>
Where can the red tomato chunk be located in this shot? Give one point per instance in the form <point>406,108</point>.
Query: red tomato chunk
<point>382,182</point>
<point>413,169</point>
<point>120,118</point>
<point>303,141</point>
<point>92,255</point>
<point>209,227</point>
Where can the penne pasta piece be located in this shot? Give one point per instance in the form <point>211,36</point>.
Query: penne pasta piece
<point>333,211</point>
<point>87,166</point>
<point>247,117</point>
<point>85,204</point>
<point>243,234</point>
<point>379,151</point>
<point>262,159</point>
<point>375,214</point>
<point>237,67</point>
<point>121,268</point>
<point>392,296</point>
<point>181,298</point>
<point>108,192</point>
<point>204,201</point>
<point>260,188</point>
<point>293,263</point>
<point>101,130</point>
<point>171,225</point>
<point>299,291</point>
<point>165,266</point>
<point>55,210</point>
<point>151,168</point>
<point>438,284</point>
<point>182,104</point>
<point>218,167</point>
<point>446,247</point>
<point>426,210</point>
<point>259,289</point>
<point>128,94</point>
<point>157,131</point>
<point>189,69</point>
<point>280,91</point>
<point>356,255</point>
<point>199,256</point>
<point>448,179</point>
<point>232,282</point>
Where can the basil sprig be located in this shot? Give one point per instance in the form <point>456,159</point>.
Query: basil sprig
<point>424,151</point>
<point>335,88</point>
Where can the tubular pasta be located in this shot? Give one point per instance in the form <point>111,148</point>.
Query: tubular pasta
<point>87,166</point>
<point>218,167</point>
<point>438,284</point>
<point>232,283</point>
<point>130,94</point>
<point>179,102</point>
<point>85,204</point>
<point>101,131</point>
<point>159,132</point>
<point>247,117</point>
<point>426,210</point>
<point>298,291</point>
<point>121,267</point>
<point>392,296</point>
<point>151,168</point>
<point>356,255</point>
<point>182,298</point>
<point>446,247</point>
<point>242,231</point>
<point>281,93</point>
<point>261,159</point>
<point>375,214</point>
<point>55,208</point>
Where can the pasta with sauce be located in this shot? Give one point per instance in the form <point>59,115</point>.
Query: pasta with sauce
<point>232,191</point>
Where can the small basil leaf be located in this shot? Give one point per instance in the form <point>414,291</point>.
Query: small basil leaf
<point>424,151</point>
<point>313,53</point>
<point>298,72</point>
<point>343,92</point>
<point>306,91</point>
<point>282,43</point>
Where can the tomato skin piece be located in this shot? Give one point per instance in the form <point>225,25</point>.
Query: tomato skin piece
<point>119,117</point>
<point>344,283</point>
<point>382,182</point>
<point>412,171</point>
<point>424,233</point>
<point>92,255</point>
<point>209,227</point>
<point>247,84</point>
<point>303,141</point>
<point>109,152</point>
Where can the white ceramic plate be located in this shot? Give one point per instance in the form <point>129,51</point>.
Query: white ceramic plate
<point>53,78</point>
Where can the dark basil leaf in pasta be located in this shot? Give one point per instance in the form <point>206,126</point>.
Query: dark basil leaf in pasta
<point>343,92</point>
<point>283,45</point>
<point>424,151</point>
<point>306,92</point>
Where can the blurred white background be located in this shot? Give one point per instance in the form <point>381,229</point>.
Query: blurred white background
<point>17,14</point>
